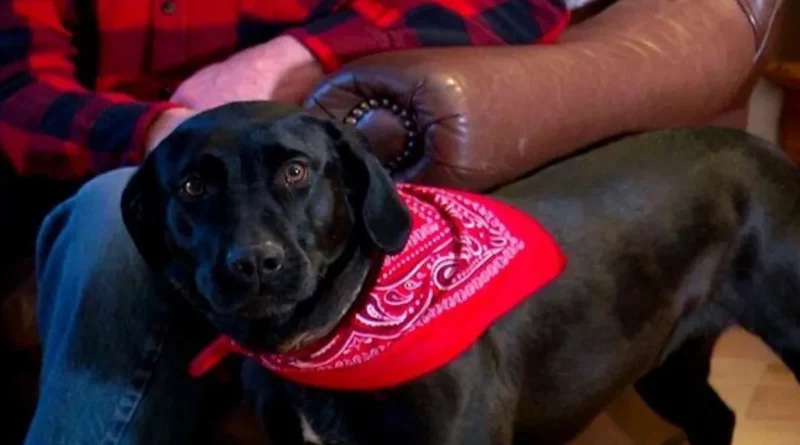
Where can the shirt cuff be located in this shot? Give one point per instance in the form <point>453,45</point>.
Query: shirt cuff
<point>138,148</point>
<point>347,35</point>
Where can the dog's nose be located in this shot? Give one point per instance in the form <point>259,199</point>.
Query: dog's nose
<point>252,263</point>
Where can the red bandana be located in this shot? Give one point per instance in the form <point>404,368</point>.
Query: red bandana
<point>468,261</point>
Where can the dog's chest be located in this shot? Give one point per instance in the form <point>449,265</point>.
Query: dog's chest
<point>310,436</point>
<point>342,420</point>
<point>329,429</point>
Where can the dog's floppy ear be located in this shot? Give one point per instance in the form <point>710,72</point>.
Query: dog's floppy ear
<point>143,213</point>
<point>385,217</point>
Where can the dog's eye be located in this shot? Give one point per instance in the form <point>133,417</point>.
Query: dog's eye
<point>194,188</point>
<point>294,173</point>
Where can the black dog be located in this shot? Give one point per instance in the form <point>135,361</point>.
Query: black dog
<point>268,221</point>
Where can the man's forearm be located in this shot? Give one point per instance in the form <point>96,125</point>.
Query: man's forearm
<point>657,63</point>
<point>640,65</point>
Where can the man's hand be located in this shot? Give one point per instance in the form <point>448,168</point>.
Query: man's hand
<point>281,69</point>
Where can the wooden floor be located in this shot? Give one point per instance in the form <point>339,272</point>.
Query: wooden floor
<point>750,379</point>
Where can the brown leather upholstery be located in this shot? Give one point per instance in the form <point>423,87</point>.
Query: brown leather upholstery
<point>485,116</point>
<point>761,14</point>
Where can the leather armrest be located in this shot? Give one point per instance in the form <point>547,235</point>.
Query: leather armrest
<point>476,118</point>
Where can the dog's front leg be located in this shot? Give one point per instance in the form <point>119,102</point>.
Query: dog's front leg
<point>268,397</point>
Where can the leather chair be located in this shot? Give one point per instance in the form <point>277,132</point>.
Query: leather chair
<point>477,118</point>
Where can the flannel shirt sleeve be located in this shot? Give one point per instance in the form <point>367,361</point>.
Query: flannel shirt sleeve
<point>364,27</point>
<point>50,124</point>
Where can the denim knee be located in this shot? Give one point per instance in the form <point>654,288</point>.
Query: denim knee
<point>95,204</point>
<point>85,256</point>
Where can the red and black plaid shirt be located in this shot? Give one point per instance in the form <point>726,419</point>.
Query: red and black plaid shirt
<point>82,80</point>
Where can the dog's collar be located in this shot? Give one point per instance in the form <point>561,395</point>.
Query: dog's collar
<point>469,260</point>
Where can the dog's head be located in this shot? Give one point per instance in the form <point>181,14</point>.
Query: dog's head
<point>266,218</point>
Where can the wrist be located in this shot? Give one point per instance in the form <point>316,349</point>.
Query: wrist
<point>166,124</point>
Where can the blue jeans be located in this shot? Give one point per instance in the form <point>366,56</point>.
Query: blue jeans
<point>115,353</point>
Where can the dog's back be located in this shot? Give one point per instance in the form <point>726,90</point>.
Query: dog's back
<point>672,237</point>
